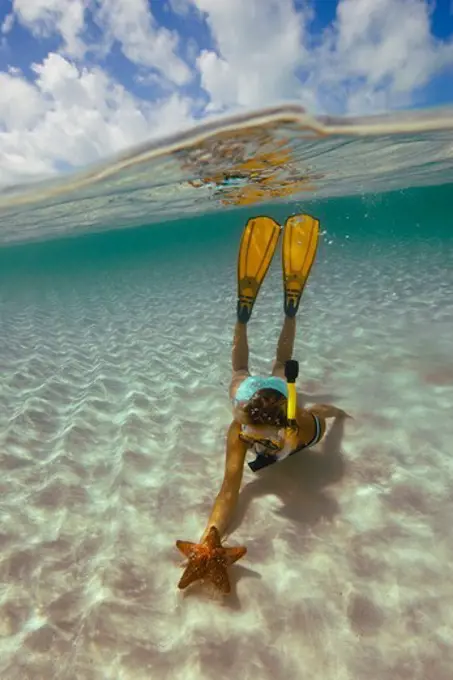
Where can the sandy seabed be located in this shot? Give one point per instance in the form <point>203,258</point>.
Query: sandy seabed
<point>113,413</point>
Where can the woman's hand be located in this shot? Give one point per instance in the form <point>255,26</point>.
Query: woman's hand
<point>291,441</point>
<point>292,436</point>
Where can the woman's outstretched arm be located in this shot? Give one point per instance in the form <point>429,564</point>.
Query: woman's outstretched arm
<point>226,500</point>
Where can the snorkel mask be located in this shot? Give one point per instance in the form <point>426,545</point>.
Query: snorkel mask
<point>276,451</point>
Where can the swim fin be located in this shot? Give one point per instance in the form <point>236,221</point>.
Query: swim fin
<point>258,243</point>
<point>300,242</point>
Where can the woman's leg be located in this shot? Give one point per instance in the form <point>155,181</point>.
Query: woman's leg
<point>239,357</point>
<point>257,248</point>
<point>285,346</point>
<point>300,241</point>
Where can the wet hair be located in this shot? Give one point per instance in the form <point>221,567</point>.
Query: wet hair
<point>267,407</point>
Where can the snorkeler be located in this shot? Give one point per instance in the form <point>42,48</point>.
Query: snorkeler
<point>266,417</point>
<point>261,421</point>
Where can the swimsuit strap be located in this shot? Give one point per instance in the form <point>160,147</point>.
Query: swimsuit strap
<point>315,439</point>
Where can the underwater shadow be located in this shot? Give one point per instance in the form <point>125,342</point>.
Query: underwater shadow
<point>206,591</point>
<point>299,482</point>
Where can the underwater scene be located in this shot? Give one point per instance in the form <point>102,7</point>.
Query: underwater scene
<point>170,507</point>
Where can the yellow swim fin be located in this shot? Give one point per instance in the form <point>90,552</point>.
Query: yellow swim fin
<point>300,242</point>
<point>258,243</point>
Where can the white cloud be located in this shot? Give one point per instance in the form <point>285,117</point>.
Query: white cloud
<point>46,17</point>
<point>260,43</point>
<point>181,7</point>
<point>20,104</point>
<point>7,23</point>
<point>128,22</point>
<point>131,23</point>
<point>74,116</point>
<point>375,56</point>
<point>192,50</point>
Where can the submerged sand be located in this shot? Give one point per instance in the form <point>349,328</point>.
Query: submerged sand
<point>113,413</point>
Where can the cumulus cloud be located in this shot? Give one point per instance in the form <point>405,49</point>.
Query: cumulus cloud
<point>181,7</point>
<point>375,55</point>
<point>7,23</point>
<point>131,23</point>
<point>47,17</point>
<point>259,45</point>
<point>73,116</point>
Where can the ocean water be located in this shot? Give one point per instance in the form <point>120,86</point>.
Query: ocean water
<point>115,365</point>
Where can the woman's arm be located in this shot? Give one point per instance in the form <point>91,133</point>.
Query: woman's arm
<point>225,503</point>
<point>303,433</point>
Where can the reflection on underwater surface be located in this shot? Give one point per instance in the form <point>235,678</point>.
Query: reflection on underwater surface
<point>243,160</point>
<point>115,366</point>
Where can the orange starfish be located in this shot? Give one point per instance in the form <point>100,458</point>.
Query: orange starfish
<point>208,560</point>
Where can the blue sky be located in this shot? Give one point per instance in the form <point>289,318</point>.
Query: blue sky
<point>81,79</point>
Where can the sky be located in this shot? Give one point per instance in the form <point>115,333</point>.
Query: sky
<point>81,80</point>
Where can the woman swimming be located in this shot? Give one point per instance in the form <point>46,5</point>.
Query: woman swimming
<point>266,417</point>
<point>260,405</point>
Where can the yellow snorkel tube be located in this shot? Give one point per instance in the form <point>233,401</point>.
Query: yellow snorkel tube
<point>291,373</point>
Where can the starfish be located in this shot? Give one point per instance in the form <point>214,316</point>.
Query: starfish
<point>208,560</point>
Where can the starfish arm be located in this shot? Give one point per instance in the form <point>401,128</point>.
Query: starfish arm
<point>234,554</point>
<point>194,571</point>
<point>218,575</point>
<point>186,547</point>
<point>212,540</point>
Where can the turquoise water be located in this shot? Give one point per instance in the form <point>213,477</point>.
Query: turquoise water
<point>115,366</point>
<point>413,215</point>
